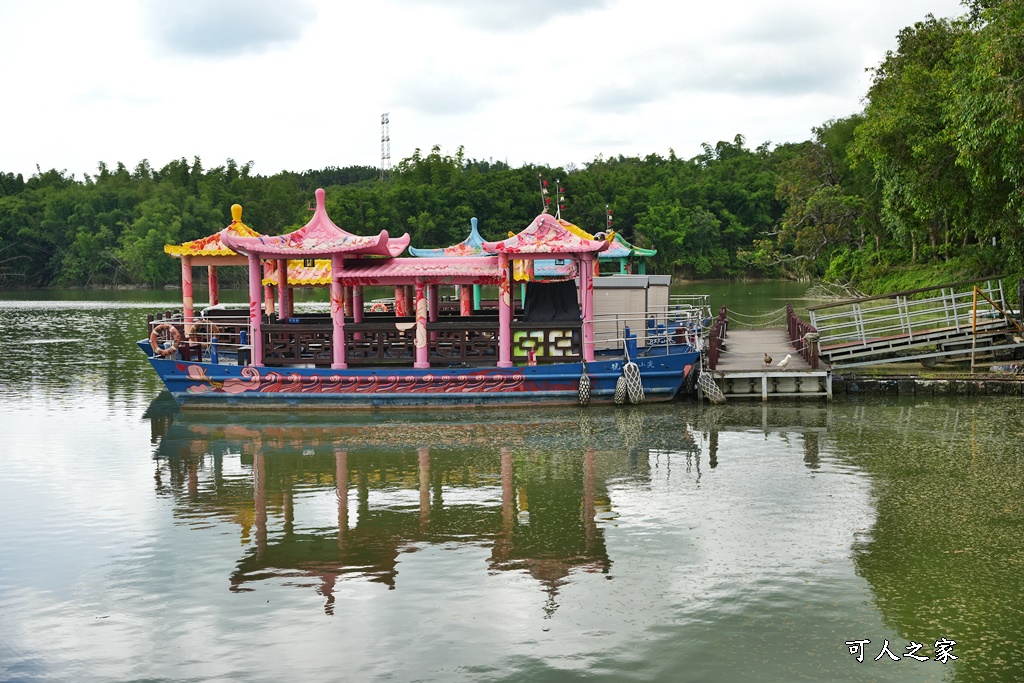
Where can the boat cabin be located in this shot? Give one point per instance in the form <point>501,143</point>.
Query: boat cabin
<point>554,323</point>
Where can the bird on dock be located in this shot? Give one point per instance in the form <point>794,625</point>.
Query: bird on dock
<point>767,360</point>
<point>784,362</point>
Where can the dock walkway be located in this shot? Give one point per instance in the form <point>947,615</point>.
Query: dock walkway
<point>741,371</point>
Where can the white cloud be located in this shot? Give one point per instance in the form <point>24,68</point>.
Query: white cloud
<point>302,85</point>
<point>515,16</point>
<point>219,28</point>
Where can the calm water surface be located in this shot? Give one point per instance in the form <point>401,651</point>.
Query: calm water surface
<point>659,543</point>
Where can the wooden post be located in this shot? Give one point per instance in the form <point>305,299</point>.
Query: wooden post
<point>1020,301</point>
<point>974,326</point>
<point>465,300</point>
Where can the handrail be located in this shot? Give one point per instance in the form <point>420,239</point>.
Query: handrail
<point>804,337</point>
<point>906,292</point>
<point>718,331</point>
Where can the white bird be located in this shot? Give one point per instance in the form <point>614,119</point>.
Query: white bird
<point>784,362</point>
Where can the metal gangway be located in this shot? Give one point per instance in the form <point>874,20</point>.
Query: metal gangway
<point>962,319</point>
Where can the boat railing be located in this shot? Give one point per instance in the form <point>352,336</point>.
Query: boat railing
<point>692,300</point>
<point>452,340</point>
<point>219,338</point>
<point>659,328</point>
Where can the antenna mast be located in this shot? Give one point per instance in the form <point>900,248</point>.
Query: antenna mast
<point>385,148</point>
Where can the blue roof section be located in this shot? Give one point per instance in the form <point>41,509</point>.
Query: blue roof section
<point>471,246</point>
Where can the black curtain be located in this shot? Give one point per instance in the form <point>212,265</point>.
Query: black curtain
<point>551,301</point>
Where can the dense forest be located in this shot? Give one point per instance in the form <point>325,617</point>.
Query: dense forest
<point>926,184</point>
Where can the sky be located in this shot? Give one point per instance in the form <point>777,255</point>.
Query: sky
<point>303,84</point>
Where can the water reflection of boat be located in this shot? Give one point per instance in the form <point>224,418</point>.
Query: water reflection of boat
<point>394,487</point>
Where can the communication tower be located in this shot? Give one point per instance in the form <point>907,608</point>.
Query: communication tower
<point>385,148</point>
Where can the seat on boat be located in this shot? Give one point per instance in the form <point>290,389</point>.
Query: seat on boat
<point>190,351</point>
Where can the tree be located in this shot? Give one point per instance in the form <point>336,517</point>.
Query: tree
<point>926,197</point>
<point>985,114</point>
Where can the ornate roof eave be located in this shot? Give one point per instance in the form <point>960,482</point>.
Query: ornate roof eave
<point>631,249</point>
<point>320,237</point>
<point>213,245</point>
<point>471,246</point>
<point>545,236</point>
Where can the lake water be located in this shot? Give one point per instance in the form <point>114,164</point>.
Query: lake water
<point>668,542</point>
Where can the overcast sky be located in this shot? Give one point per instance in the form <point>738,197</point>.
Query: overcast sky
<point>301,84</point>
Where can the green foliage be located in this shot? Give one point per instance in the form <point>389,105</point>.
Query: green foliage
<point>926,198</point>
<point>985,119</point>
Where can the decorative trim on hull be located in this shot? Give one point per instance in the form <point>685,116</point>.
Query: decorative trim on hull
<point>195,384</point>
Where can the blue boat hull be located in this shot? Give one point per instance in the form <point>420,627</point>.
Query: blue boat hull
<point>209,385</point>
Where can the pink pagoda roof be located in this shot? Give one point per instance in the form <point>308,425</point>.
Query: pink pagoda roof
<point>545,236</point>
<point>213,245</point>
<point>319,237</point>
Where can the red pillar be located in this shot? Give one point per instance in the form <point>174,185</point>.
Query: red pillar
<point>433,306</point>
<point>400,309</point>
<point>211,277</point>
<point>357,303</point>
<point>337,316</point>
<point>587,304</point>
<point>282,287</point>
<point>422,349</point>
<point>255,315</point>
<point>187,305</point>
<point>504,313</point>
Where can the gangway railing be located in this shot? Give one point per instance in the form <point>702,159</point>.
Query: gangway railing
<point>929,321</point>
<point>714,337</point>
<point>804,336</point>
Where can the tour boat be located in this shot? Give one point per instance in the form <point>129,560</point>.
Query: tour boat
<point>548,347</point>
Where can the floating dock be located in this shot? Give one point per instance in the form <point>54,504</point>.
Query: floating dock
<point>740,371</point>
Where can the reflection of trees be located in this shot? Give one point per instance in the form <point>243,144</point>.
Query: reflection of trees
<point>945,557</point>
<point>75,343</point>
